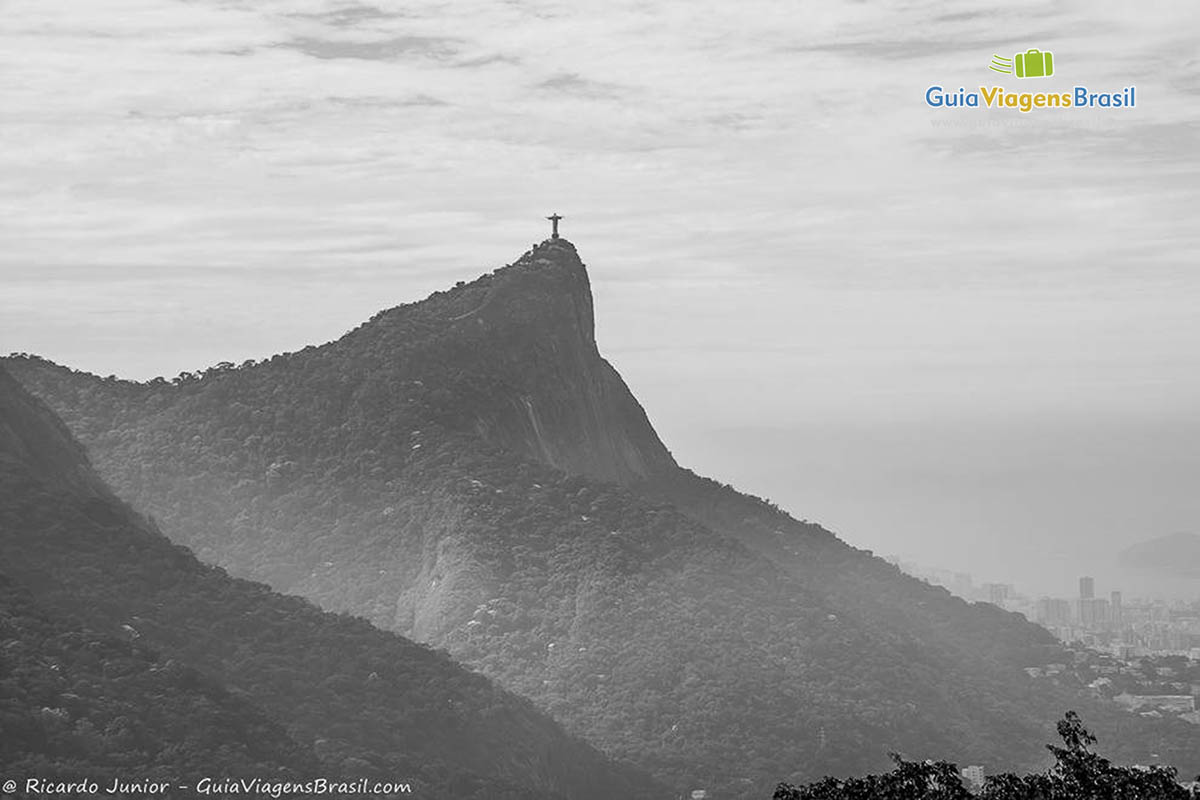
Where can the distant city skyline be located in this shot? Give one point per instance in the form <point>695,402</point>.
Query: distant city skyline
<point>1154,625</point>
<point>971,343</point>
<point>972,587</point>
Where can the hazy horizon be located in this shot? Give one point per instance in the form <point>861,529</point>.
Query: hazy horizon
<point>972,345</point>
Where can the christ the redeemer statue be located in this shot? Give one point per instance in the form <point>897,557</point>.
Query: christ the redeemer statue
<point>554,218</point>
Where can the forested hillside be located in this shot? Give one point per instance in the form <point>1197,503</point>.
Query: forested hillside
<point>469,471</point>
<point>79,704</point>
<point>121,650</point>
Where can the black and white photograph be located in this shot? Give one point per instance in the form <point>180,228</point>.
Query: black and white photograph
<point>661,400</point>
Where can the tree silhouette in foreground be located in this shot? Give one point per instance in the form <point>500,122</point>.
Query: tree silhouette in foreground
<point>1078,774</point>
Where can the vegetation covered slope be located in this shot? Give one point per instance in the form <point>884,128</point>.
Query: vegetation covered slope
<point>75,703</point>
<point>122,650</point>
<point>469,471</point>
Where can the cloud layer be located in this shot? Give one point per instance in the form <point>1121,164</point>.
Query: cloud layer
<point>774,218</point>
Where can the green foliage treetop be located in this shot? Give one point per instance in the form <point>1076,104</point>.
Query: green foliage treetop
<point>1079,773</point>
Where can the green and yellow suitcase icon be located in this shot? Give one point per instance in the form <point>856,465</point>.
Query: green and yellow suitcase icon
<point>1034,64</point>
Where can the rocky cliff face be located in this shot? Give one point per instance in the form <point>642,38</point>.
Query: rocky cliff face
<point>530,326</point>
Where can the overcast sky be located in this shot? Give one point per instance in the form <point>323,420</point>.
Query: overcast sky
<point>971,338</point>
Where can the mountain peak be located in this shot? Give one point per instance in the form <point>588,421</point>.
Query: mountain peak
<point>513,357</point>
<point>559,244</point>
<point>546,286</point>
<point>548,253</point>
<point>559,400</point>
<point>548,283</point>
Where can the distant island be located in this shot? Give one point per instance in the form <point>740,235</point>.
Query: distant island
<point>1177,554</point>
